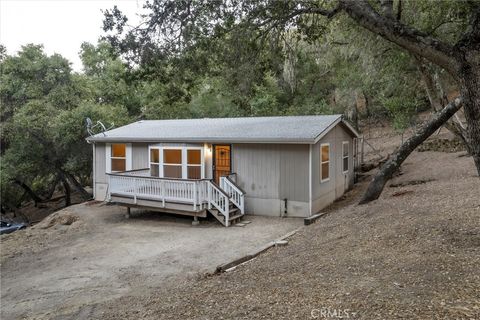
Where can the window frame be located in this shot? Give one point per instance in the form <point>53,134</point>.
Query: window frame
<point>345,143</point>
<point>184,164</point>
<point>200,165</point>
<point>163,164</point>
<point>109,157</point>
<point>158,164</point>
<point>323,162</point>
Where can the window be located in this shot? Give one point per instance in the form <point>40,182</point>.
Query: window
<point>176,162</point>
<point>345,156</point>
<point>172,163</point>
<point>324,162</point>
<point>118,157</point>
<point>194,164</point>
<point>155,162</point>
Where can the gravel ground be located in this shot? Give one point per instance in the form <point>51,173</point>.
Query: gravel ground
<point>68,264</point>
<point>412,254</point>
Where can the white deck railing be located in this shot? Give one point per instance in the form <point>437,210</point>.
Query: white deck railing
<point>199,193</point>
<point>234,192</point>
<point>138,185</point>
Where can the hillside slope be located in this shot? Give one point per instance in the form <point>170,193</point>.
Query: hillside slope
<point>412,254</point>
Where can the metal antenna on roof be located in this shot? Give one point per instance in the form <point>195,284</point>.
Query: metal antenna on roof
<point>91,128</point>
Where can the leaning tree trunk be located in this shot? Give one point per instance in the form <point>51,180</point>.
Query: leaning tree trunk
<point>68,193</point>
<point>437,103</point>
<point>396,159</point>
<point>85,195</point>
<point>470,92</point>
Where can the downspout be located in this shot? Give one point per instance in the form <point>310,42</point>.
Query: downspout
<point>93,167</point>
<point>310,179</point>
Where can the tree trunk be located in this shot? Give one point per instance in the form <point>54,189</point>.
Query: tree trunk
<point>68,192</point>
<point>85,195</point>
<point>29,191</point>
<point>49,194</point>
<point>470,91</point>
<point>437,103</point>
<point>394,162</point>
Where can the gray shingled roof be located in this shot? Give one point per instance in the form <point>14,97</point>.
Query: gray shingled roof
<point>301,129</point>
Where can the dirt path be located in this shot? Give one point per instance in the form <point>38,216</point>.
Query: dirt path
<point>413,254</point>
<point>66,271</point>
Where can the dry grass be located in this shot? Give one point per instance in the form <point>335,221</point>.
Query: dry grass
<point>411,256</point>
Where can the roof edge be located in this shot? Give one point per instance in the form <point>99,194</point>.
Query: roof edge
<point>199,140</point>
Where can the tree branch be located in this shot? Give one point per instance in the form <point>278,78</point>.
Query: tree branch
<point>410,39</point>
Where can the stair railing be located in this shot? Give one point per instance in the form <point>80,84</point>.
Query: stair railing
<point>234,192</point>
<point>219,199</point>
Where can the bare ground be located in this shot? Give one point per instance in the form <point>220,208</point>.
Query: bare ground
<point>412,254</point>
<point>79,257</point>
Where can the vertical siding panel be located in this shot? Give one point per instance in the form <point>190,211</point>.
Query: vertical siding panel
<point>100,161</point>
<point>273,171</point>
<point>140,156</point>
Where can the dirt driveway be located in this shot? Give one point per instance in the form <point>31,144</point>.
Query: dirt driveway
<point>64,270</point>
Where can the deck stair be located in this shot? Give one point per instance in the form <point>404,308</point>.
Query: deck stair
<point>235,215</point>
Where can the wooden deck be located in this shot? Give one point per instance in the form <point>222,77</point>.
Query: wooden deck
<point>181,196</point>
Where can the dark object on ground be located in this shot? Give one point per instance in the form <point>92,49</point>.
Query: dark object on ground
<point>312,219</point>
<point>6,227</point>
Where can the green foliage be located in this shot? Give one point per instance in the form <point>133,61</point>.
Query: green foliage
<point>402,111</point>
<point>44,106</point>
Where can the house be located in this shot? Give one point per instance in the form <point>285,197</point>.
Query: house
<point>276,166</point>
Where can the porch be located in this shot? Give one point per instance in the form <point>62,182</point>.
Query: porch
<point>137,188</point>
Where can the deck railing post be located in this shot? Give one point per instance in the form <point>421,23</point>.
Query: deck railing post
<point>226,208</point>
<point>109,191</point>
<point>209,196</point>
<point>135,190</point>
<point>195,195</point>
<point>162,192</point>
<point>242,204</point>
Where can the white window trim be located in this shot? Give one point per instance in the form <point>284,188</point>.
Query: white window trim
<point>322,162</point>
<point>346,143</point>
<point>162,163</point>
<point>184,163</point>
<point>108,157</point>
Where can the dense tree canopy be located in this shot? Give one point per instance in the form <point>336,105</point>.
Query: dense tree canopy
<point>195,58</point>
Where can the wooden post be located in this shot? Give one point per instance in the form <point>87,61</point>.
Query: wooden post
<point>209,193</point>
<point>162,192</point>
<point>134,190</point>
<point>128,214</point>
<point>195,195</point>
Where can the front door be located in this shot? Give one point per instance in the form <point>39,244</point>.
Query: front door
<point>222,161</point>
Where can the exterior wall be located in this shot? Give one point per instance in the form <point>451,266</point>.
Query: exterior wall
<point>139,156</point>
<point>270,173</point>
<point>324,193</point>
<point>100,178</point>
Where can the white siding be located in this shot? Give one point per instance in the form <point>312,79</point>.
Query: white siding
<point>324,193</point>
<point>270,173</point>
<point>139,156</point>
